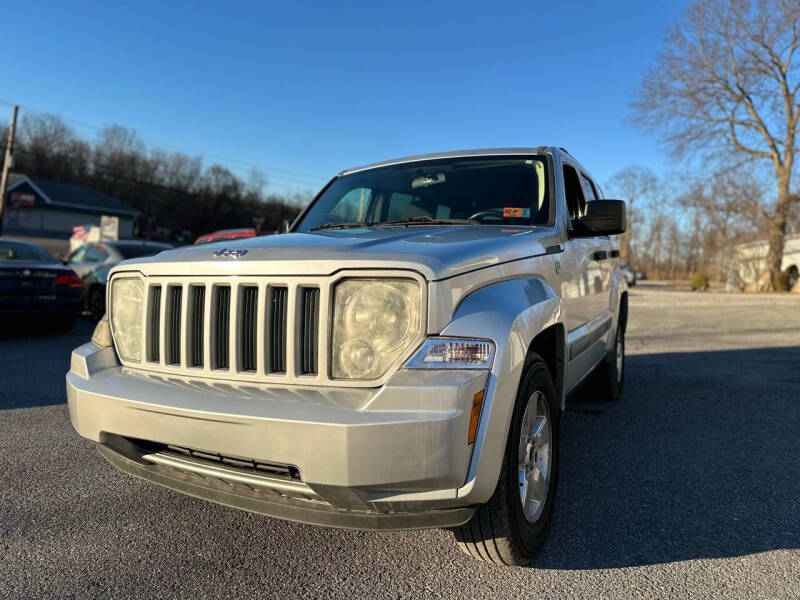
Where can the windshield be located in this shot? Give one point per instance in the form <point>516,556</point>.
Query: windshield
<point>24,252</point>
<point>492,191</point>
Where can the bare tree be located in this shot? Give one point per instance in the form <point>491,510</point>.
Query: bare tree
<point>728,79</point>
<point>636,185</point>
<point>724,206</point>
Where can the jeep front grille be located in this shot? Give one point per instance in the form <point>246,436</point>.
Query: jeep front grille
<point>259,328</point>
<point>266,329</point>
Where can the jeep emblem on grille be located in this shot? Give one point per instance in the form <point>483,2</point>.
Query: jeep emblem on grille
<point>232,252</point>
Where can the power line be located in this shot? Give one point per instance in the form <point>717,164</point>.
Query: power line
<point>283,177</point>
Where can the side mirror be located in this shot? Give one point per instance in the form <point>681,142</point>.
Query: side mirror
<point>285,226</point>
<point>602,217</point>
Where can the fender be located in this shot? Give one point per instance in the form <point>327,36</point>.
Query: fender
<point>510,313</point>
<point>618,287</point>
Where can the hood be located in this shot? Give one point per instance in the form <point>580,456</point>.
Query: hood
<point>435,252</point>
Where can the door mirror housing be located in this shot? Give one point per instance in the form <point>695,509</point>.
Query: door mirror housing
<point>602,217</point>
<point>286,225</point>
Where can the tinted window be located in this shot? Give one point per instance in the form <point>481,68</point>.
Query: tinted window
<point>9,251</point>
<point>492,190</point>
<point>574,193</point>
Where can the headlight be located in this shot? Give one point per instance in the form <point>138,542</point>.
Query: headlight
<point>127,300</point>
<point>453,353</point>
<point>374,322</point>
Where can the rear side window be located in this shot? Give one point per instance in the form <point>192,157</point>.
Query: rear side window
<point>9,251</point>
<point>589,192</point>
<point>576,203</point>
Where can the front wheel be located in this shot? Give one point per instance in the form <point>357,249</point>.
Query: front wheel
<point>512,526</point>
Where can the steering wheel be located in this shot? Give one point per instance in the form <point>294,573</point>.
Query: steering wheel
<point>493,212</point>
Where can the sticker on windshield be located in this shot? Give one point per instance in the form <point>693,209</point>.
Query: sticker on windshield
<point>516,212</point>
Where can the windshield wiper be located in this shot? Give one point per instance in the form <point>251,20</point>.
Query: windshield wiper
<point>350,225</point>
<point>423,220</point>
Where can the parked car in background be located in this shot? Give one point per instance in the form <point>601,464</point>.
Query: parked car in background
<point>225,234</point>
<point>628,273</point>
<point>640,275</point>
<point>33,283</point>
<point>93,260</point>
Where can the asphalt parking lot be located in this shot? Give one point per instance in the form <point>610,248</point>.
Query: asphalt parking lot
<point>687,487</point>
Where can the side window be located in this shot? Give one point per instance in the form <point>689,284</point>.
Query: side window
<point>574,193</point>
<point>351,207</point>
<point>78,255</point>
<point>589,193</point>
<point>94,253</point>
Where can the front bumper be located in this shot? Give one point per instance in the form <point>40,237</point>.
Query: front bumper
<point>387,458</point>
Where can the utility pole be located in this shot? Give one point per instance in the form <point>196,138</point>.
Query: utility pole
<point>7,165</point>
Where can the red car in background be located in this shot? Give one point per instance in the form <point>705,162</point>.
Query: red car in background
<point>225,234</point>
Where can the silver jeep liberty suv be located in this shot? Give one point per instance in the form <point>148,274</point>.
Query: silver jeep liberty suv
<point>400,359</point>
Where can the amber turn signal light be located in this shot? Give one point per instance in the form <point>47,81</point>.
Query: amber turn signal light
<point>477,402</point>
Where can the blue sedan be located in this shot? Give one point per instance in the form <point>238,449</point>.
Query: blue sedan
<point>33,283</point>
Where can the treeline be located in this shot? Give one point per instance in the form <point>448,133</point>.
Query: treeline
<point>684,223</point>
<point>180,197</point>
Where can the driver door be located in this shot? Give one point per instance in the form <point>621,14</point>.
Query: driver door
<point>585,284</point>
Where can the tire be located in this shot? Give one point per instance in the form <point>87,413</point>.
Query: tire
<point>608,381</point>
<point>96,303</point>
<point>500,532</point>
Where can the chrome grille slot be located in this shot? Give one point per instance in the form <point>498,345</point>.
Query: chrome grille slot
<point>197,300</point>
<point>154,323</point>
<point>309,331</point>
<point>221,327</point>
<point>277,329</point>
<point>248,307</point>
<point>173,325</point>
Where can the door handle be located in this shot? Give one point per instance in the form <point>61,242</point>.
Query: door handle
<point>600,255</point>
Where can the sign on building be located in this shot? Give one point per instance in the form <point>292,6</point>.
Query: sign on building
<point>20,199</point>
<point>109,228</point>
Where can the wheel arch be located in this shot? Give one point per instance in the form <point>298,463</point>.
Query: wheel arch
<point>551,345</point>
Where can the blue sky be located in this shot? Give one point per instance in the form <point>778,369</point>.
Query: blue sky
<point>303,90</point>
